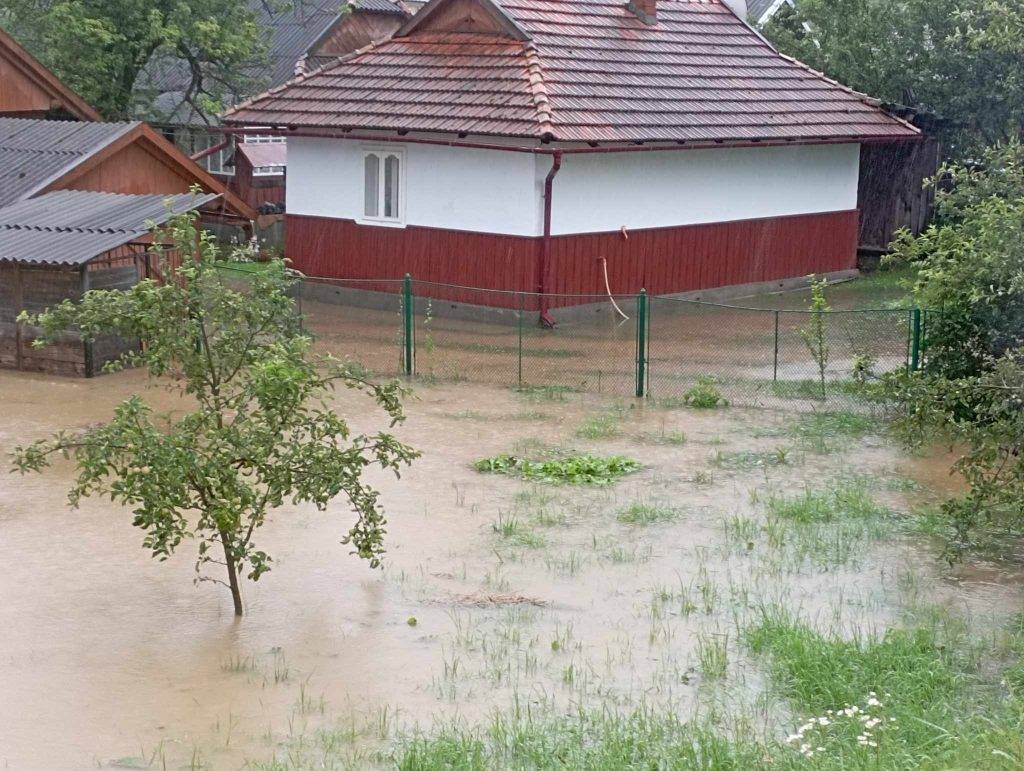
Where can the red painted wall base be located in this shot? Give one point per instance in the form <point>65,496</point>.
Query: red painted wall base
<point>661,260</point>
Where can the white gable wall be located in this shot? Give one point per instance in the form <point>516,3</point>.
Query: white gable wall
<point>490,191</point>
<point>604,192</point>
<point>485,191</point>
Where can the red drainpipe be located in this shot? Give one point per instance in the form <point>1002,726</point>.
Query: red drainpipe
<point>545,245</point>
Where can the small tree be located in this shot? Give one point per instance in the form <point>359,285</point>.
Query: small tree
<point>815,334</point>
<point>260,431</point>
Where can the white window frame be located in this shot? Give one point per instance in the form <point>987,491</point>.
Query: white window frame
<point>268,171</point>
<point>382,152</point>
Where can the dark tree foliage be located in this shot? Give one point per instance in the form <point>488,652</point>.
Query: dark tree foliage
<point>960,59</point>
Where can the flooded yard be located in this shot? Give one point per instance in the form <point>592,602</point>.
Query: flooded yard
<point>497,593</point>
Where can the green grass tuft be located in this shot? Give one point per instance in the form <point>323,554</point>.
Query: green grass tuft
<point>647,514</point>
<point>598,740</point>
<point>846,502</point>
<point>603,425</point>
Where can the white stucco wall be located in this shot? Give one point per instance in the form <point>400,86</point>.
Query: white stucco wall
<point>595,193</point>
<point>477,190</point>
<point>500,192</point>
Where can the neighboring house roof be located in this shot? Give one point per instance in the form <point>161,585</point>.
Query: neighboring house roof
<point>72,227</point>
<point>34,76</point>
<point>38,155</point>
<point>264,153</point>
<point>760,11</point>
<point>291,30</point>
<point>579,72</point>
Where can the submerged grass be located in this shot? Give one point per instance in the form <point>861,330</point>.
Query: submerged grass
<point>746,460</point>
<point>640,513</point>
<point>646,739</point>
<point>844,502</point>
<point>603,425</point>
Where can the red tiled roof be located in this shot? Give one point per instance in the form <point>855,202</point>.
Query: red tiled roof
<point>586,71</point>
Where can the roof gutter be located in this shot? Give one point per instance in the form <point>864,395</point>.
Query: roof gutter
<point>545,244</point>
<point>633,148</point>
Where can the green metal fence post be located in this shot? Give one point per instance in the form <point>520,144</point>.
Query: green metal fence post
<point>775,364</point>
<point>915,344</point>
<point>522,303</point>
<point>641,343</point>
<point>407,319</point>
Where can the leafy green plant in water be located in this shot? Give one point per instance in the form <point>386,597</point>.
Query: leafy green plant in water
<point>258,430</point>
<point>815,334</point>
<point>705,395</point>
<point>573,468</point>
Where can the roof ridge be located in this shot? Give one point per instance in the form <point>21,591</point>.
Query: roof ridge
<point>538,89</point>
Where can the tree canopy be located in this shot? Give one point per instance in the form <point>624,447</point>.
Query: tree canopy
<point>100,47</point>
<point>960,59</point>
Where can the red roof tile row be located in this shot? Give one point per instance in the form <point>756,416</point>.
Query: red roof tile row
<point>584,71</point>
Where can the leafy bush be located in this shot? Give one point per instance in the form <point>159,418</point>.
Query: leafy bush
<point>970,262</point>
<point>705,395</point>
<point>574,468</point>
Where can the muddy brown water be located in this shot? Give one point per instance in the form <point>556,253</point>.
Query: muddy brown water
<point>111,659</point>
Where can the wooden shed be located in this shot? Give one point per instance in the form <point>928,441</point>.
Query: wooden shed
<point>62,244</point>
<point>76,203</point>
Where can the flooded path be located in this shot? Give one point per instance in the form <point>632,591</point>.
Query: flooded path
<point>109,658</point>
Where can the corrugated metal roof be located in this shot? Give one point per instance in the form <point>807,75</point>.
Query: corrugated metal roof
<point>587,72</point>
<point>378,6</point>
<point>71,227</point>
<point>35,152</point>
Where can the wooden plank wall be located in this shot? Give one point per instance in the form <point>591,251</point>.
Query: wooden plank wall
<point>891,194</point>
<point>34,289</point>
<point>662,260</point>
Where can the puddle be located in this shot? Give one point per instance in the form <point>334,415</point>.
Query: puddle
<point>108,656</point>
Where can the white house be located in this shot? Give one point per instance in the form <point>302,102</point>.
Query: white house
<point>513,146</point>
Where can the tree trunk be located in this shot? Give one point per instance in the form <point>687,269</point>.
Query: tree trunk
<point>229,560</point>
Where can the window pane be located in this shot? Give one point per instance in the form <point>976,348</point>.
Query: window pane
<point>391,187</point>
<point>371,185</point>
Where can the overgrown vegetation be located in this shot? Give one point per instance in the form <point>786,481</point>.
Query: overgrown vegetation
<point>261,432</point>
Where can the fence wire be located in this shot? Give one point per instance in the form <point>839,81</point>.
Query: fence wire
<point>752,356</point>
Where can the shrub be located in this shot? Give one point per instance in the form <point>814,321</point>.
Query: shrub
<point>705,395</point>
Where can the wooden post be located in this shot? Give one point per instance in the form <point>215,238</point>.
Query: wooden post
<point>19,306</point>
<point>87,350</point>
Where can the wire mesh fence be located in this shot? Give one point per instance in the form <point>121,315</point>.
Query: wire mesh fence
<point>663,347</point>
